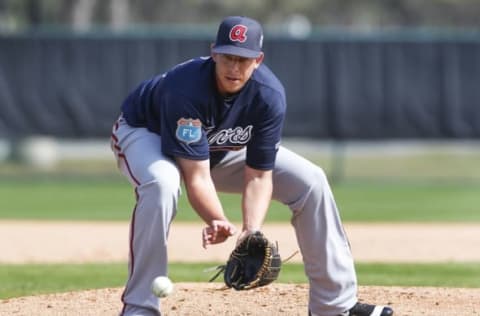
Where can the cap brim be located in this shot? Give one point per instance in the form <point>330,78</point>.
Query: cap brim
<point>236,51</point>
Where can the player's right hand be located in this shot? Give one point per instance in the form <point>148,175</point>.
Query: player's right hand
<point>217,232</point>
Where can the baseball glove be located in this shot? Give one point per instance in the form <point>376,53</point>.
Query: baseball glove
<point>253,263</point>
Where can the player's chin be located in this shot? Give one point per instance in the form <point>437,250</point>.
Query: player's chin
<point>233,86</point>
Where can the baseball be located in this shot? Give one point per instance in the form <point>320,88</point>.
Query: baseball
<point>162,286</point>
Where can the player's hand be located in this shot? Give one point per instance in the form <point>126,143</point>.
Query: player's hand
<point>217,232</point>
<point>245,233</point>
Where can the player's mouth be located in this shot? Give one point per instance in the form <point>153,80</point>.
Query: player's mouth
<point>233,79</point>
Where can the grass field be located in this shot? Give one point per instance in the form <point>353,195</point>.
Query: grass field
<point>430,188</point>
<point>113,199</point>
<point>22,280</point>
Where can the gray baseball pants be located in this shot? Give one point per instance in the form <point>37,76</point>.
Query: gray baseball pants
<point>297,183</point>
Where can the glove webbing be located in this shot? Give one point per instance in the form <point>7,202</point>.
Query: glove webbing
<point>265,264</point>
<point>220,269</point>
<point>265,267</point>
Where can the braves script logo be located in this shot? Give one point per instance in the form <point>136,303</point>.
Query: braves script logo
<point>238,33</point>
<point>234,136</point>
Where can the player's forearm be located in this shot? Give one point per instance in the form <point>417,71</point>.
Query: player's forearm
<point>201,190</point>
<point>256,198</point>
<point>204,200</point>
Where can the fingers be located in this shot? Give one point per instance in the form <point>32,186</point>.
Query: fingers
<point>217,232</point>
<point>204,238</point>
<point>232,230</point>
<point>210,236</point>
<point>223,228</point>
<point>207,237</point>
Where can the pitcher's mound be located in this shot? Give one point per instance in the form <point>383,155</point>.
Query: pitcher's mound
<point>276,299</point>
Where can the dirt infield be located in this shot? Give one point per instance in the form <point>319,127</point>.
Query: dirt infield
<point>107,242</point>
<point>203,299</point>
<point>81,242</point>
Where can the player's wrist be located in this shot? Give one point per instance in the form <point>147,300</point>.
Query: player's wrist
<point>218,220</point>
<point>250,228</point>
<point>245,233</point>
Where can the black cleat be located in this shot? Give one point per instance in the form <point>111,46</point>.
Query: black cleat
<point>368,310</point>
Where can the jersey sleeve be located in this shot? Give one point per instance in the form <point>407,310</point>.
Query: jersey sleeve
<point>182,129</point>
<point>262,148</point>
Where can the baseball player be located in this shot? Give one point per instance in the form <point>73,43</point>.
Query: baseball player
<point>215,123</point>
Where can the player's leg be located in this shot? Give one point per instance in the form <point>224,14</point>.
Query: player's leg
<point>303,187</point>
<point>157,183</point>
<point>328,261</point>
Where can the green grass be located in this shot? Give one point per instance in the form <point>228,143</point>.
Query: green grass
<point>22,280</point>
<point>408,201</point>
<point>434,164</point>
<point>438,185</point>
<point>436,275</point>
<point>66,199</point>
<point>93,198</point>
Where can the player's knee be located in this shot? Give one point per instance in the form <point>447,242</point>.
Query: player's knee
<point>165,180</point>
<point>161,191</point>
<point>159,199</point>
<point>315,177</point>
<point>166,188</point>
<point>309,184</point>
<point>320,175</point>
<point>316,185</point>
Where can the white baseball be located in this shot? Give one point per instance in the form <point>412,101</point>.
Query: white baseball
<point>162,286</point>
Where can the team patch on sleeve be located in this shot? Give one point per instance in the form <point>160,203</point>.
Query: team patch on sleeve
<point>189,130</point>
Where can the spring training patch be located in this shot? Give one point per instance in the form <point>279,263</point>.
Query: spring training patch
<point>189,130</point>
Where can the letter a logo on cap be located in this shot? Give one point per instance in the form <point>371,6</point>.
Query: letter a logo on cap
<point>238,33</point>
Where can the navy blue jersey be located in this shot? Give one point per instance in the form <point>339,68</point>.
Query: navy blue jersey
<point>196,122</point>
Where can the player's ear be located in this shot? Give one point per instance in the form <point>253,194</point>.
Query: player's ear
<point>212,54</point>
<point>259,60</point>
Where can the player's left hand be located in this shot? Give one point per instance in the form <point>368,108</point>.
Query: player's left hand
<point>217,232</point>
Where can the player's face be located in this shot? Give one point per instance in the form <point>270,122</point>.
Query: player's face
<point>232,72</point>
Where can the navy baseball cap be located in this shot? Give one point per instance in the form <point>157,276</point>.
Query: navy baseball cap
<point>239,36</point>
